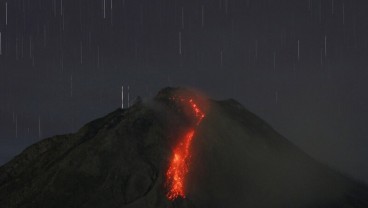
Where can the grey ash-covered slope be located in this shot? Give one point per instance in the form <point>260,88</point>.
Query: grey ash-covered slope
<point>120,161</point>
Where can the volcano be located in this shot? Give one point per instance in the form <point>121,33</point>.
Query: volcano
<point>180,149</point>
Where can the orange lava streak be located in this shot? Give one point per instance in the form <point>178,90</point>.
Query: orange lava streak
<point>178,168</point>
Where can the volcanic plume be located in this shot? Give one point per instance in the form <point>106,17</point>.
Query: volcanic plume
<point>178,150</point>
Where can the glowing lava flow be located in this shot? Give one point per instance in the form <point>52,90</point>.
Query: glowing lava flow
<point>178,168</point>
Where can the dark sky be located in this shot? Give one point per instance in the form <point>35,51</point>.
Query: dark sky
<point>300,65</point>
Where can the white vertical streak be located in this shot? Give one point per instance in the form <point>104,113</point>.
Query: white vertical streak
<point>98,56</point>
<point>122,97</point>
<point>39,127</point>
<point>16,126</point>
<point>104,9</point>
<point>343,13</point>
<point>332,7</point>
<point>221,58</point>
<point>30,46</point>
<point>54,1</point>
<point>44,36</point>
<point>6,13</point>
<point>298,50</point>
<point>321,56</point>
<point>61,8</point>
<point>22,51</point>
<point>63,22</point>
<point>256,50</point>
<point>62,62</point>
<point>128,96</point>
<point>136,50</point>
<point>89,40</point>
<point>274,61</point>
<point>111,12</point>
<point>141,14</point>
<point>180,43</point>
<point>182,18</point>
<point>202,15</point>
<point>16,48</point>
<point>71,85</point>
<point>325,45</point>
<point>226,6</point>
<point>81,52</point>
<point>320,12</point>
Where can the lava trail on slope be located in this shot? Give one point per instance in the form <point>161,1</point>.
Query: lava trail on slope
<point>179,161</point>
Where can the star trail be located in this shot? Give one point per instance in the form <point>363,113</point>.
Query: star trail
<point>300,65</point>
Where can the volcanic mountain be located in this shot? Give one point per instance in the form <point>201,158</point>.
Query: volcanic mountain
<point>178,150</point>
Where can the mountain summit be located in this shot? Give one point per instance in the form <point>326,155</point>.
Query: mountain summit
<point>178,150</point>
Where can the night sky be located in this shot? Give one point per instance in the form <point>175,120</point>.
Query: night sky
<point>300,65</point>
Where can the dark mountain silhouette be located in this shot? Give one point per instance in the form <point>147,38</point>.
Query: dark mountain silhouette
<point>120,160</point>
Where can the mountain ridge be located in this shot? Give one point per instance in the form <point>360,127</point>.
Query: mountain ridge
<point>120,160</point>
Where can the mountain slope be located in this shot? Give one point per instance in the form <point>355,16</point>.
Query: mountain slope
<point>120,160</point>
<point>242,162</point>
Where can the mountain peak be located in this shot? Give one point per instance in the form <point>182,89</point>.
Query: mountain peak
<point>129,158</point>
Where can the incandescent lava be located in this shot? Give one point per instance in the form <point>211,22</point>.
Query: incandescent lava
<point>179,161</point>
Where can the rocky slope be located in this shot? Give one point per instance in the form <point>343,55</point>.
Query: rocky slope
<point>120,160</point>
